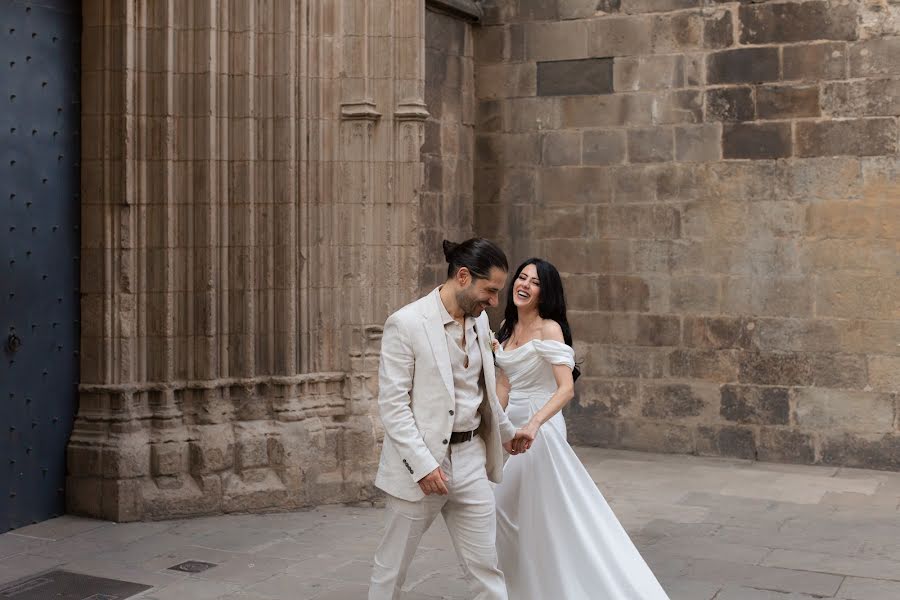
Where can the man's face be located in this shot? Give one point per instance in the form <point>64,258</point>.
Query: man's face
<point>480,293</point>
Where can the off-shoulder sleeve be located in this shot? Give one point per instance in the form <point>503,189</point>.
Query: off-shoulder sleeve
<point>556,353</point>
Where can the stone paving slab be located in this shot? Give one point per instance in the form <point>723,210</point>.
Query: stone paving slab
<point>710,528</point>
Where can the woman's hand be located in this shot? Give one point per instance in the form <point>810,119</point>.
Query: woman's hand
<point>529,432</point>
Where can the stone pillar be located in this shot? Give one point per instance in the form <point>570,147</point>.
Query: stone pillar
<point>249,208</point>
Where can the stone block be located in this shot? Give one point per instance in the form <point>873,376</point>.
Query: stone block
<point>590,427</point>
<point>607,110</point>
<point>631,74</point>
<point>561,148</point>
<point>650,145</point>
<point>871,452</point>
<point>796,22</point>
<point>875,57</point>
<point>619,361</point>
<point>568,222</point>
<point>818,409</point>
<point>537,10</point>
<point>588,256</point>
<point>718,30</point>
<point>488,119</point>
<point>698,143</point>
<point>785,102</point>
<point>532,114</point>
<point>675,400</point>
<point>575,185</point>
<point>743,65</point>
<point>505,185</point>
<point>718,333</point>
<point>576,9</point>
<point>556,41</point>
<point>608,398</point>
<point>506,80</point>
<point>681,106</point>
<point>884,373</point>
<point>730,104</point>
<point>581,291</point>
<point>756,405</point>
<point>857,137</point>
<point>879,97</point>
<point>710,365</point>
<point>251,452</point>
<point>603,147</point>
<point>651,436</point>
<point>768,295</point>
<point>627,329</point>
<point>644,221</point>
<point>678,32</point>
<point>785,369</point>
<point>815,62</point>
<point>589,76</point>
<point>695,294</point>
<point>620,36</point>
<point>728,440</point>
<point>756,140</point>
<point>508,149</point>
<point>786,445</point>
<point>838,371</point>
<point>622,293</point>
<point>168,458</point>
<point>653,6</point>
<point>858,296</point>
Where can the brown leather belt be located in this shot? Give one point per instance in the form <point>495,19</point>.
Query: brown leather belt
<point>462,436</point>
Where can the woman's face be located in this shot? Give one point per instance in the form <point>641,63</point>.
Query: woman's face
<point>527,288</point>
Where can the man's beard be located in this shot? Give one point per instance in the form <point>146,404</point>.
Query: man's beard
<point>470,306</point>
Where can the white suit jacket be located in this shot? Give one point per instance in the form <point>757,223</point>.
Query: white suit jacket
<point>416,397</point>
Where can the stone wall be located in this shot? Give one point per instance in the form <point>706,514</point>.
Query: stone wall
<point>249,192</point>
<point>446,202</point>
<point>718,182</point>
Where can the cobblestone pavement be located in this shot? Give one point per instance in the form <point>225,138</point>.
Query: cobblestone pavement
<point>710,528</point>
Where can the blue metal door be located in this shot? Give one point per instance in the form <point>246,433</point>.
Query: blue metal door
<point>39,246</point>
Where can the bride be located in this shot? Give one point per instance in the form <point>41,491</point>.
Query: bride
<point>556,535</point>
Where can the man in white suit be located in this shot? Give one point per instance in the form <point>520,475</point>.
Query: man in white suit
<point>444,427</point>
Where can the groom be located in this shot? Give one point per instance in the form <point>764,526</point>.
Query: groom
<point>443,424</point>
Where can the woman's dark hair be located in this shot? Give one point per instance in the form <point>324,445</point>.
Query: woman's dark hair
<point>551,303</point>
<point>478,255</point>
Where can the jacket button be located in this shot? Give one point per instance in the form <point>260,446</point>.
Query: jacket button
<point>446,442</point>
<point>451,412</point>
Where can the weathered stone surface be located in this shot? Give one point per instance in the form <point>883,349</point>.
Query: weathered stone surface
<point>796,22</point>
<point>560,148</point>
<point>718,332</point>
<point>783,369</point>
<point>710,365</point>
<point>631,74</point>
<point>614,361</point>
<point>718,30</point>
<point>652,6</point>
<point>681,106</point>
<point>603,147</point>
<point>875,97</point>
<point>754,405</point>
<point>607,397</point>
<point>739,442</point>
<point>820,409</point>
<point>840,371</point>
<point>875,57</point>
<point>879,452</point>
<point>695,294</point>
<point>575,185</point>
<point>858,137</point>
<point>575,77</point>
<point>730,104</point>
<point>784,102</point>
<point>643,435</point>
<point>677,400</point>
<point>651,145</point>
<point>698,143</point>
<point>884,373</point>
<point>607,110</point>
<point>785,445</point>
<point>756,141</point>
<point>556,41</point>
<point>622,293</point>
<point>677,32</point>
<point>620,36</point>
<point>743,65</point>
<point>815,62</point>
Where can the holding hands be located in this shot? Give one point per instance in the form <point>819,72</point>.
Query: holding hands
<point>523,439</point>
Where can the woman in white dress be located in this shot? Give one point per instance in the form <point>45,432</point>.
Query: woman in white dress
<point>557,538</point>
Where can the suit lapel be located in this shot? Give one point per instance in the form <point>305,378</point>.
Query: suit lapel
<point>434,331</point>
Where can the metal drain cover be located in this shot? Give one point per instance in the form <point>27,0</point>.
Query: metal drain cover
<point>192,566</point>
<point>63,585</point>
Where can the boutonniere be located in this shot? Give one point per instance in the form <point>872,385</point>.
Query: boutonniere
<point>495,345</point>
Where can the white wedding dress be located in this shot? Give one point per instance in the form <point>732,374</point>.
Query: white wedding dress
<point>557,538</point>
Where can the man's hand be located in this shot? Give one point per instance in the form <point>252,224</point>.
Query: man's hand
<point>521,442</point>
<point>434,483</point>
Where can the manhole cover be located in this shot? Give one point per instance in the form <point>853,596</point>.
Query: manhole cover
<point>192,566</point>
<point>63,585</point>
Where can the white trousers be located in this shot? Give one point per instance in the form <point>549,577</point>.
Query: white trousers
<point>468,511</point>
